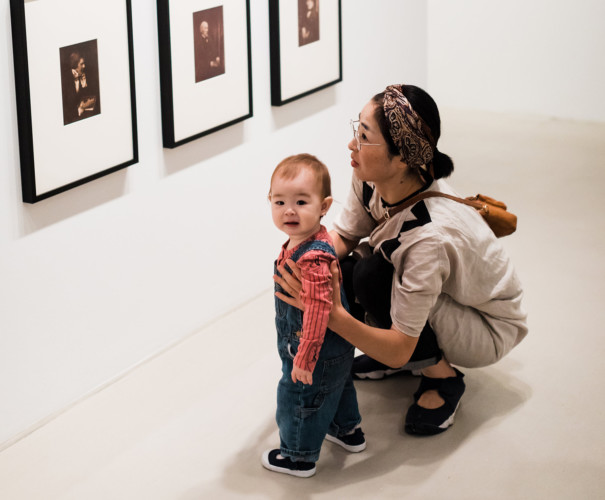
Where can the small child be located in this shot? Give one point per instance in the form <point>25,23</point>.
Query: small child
<point>316,399</point>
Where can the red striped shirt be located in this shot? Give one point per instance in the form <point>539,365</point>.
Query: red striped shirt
<point>316,295</point>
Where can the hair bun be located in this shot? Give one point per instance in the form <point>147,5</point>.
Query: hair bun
<point>443,165</point>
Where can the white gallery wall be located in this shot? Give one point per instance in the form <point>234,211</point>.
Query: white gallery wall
<point>96,280</point>
<point>100,278</point>
<point>540,57</point>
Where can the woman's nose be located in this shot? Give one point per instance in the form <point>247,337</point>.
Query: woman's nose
<point>352,144</point>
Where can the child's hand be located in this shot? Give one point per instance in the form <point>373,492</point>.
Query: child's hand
<point>303,375</point>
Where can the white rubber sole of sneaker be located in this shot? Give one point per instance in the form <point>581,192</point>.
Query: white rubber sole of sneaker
<point>283,470</point>
<point>449,422</point>
<point>378,374</point>
<point>353,449</point>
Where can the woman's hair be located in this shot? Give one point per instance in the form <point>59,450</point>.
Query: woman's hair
<point>426,108</point>
<point>291,166</point>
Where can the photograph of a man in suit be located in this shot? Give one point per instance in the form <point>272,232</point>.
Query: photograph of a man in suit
<point>80,81</point>
<point>208,43</point>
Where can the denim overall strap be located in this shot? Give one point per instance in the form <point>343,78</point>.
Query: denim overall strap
<point>312,245</point>
<point>302,249</point>
<point>324,247</point>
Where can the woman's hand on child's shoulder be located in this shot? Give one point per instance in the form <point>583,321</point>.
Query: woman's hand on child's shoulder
<point>291,283</point>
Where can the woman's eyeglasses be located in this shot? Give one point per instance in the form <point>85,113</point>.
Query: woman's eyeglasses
<point>355,127</point>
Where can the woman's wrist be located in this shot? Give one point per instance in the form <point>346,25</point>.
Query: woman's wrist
<point>338,318</point>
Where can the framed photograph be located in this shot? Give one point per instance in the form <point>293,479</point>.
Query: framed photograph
<point>306,47</point>
<point>205,67</point>
<point>74,76</point>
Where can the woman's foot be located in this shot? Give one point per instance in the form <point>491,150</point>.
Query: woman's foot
<point>431,399</point>
<point>436,401</point>
<point>365,367</point>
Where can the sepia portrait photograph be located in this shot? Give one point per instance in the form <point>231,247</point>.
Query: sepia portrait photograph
<point>306,56</point>
<point>308,22</point>
<point>209,43</point>
<point>193,71</point>
<point>80,81</point>
<point>65,138</point>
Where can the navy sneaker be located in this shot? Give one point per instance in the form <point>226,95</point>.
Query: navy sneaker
<point>425,422</point>
<point>272,460</point>
<point>354,442</point>
<point>365,367</point>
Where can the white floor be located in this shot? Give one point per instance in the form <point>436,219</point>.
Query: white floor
<point>192,423</point>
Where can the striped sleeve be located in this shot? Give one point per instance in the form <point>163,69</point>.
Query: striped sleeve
<point>316,295</point>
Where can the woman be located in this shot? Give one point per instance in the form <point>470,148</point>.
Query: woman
<point>437,288</point>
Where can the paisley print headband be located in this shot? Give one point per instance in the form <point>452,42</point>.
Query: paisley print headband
<point>410,134</point>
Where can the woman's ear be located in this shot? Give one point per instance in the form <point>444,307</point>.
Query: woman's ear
<point>400,162</point>
<point>326,204</point>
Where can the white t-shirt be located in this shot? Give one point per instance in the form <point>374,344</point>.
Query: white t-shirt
<point>443,252</point>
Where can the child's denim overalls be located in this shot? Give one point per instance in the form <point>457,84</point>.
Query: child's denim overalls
<point>306,413</point>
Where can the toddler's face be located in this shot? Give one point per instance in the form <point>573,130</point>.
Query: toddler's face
<point>297,205</point>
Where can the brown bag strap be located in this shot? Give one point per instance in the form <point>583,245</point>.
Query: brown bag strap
<point>431,194</point>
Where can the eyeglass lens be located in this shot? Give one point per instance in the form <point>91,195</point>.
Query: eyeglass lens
<point>355,127</point>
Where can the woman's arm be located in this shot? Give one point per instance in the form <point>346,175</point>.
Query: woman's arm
<point>391,347</point>
<point>343,246</point>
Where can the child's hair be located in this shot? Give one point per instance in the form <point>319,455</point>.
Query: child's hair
<point>291,166</point>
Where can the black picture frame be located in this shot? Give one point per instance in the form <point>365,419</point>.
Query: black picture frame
<point>75,93</point>
<point>305,39</point>
<point>201,93</point>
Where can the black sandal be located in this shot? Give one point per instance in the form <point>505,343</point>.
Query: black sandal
<point>425,422</point>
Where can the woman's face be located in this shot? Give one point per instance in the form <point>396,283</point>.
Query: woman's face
<point>372,163</point>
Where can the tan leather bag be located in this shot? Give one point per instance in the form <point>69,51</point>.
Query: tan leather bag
<point>494,212</point>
